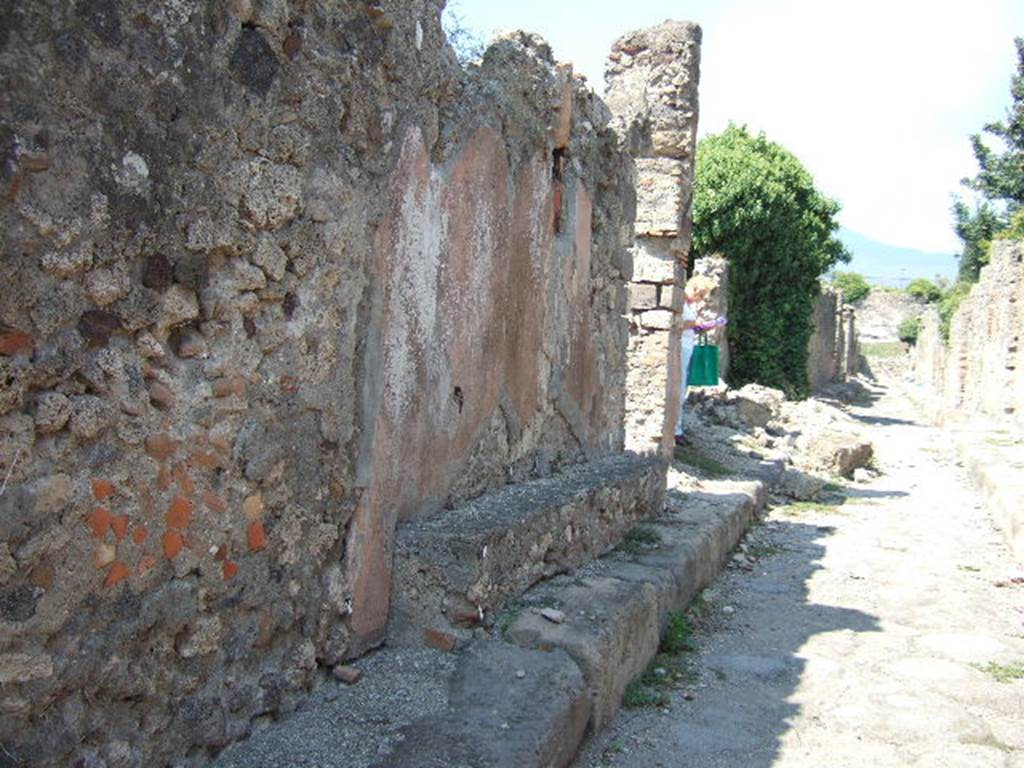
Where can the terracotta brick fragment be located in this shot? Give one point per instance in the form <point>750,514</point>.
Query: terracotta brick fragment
<point>252,507</point>
<point>214,502</point>
<point>15,342</point>
<point>42,576</point>
<point>442,641</point>
<point>140,534</point>
<point>204,459</point>
<point>226,386</point>
<point>230,570</point>
<point>119,525</point>
<point>99,522</point>
<point>160,446</point>
<point>173,544</point>
<point>179,514</point>
<point>256,536</point>
<point>102,489</point>
<point>118,571</point>
<point>292,45</point>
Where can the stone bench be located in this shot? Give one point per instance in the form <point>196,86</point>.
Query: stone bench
<point>453,568</point>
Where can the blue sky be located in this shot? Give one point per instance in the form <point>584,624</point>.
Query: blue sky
<point>876,97</point>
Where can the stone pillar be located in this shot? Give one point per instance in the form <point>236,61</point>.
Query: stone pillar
<point>852,348</point>
<point>652,79</point>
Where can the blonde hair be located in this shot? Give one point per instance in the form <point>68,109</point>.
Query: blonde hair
<point>699,283</point>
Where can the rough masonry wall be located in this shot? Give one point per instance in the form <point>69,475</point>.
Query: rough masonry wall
<point>652,80</point>
<point>274,275</point>
<point>982,367</point>
<point>825,347</point>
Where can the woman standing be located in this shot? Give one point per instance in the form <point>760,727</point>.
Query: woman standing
<point>697,290</point>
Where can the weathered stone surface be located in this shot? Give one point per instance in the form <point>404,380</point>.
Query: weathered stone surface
<point>286,195</point>
<point>454,568</point>
<point>982,366</point>
<point>508,707</point>
<point>756,405</point>
<point>834,453</point>
<point>799,485</point>
<point>657,260</point>
<point>662,196</point>
<point>643,296</point>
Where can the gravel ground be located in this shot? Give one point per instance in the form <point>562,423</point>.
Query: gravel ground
<point>884,631</point>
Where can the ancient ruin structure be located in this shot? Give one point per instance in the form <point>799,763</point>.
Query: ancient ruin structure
<point>833,352</point>
<point>279,280</point>
<point>981,368</point>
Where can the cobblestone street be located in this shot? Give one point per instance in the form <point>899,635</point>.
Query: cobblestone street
<point>887,630</point>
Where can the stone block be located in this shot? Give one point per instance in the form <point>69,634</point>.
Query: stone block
<point>661,196</point>
<point>657,319</point>
<point>642,295</point>
<point>612,632</point>
<point>657,260</point>
<point>450,567</point>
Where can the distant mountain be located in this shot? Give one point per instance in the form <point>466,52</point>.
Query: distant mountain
<point>884,264</point>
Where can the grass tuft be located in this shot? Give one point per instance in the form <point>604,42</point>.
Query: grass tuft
<point>883,349</point>
<point>1003,673</point>
<point>637,695</point>
<point>678,635</point>
<point>639,540</point>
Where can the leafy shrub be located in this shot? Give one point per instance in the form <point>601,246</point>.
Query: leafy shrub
<point>925,290</point>
<point>909,330</point>
<point>754,202</point>
<point>853,286</point>
<point>1015,230</point>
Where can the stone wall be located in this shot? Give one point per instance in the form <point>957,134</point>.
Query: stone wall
<point>275,276</point>
<point>827,342</point>
<point>881,312</point>
<point>982,366</point>
<point>652,79</point>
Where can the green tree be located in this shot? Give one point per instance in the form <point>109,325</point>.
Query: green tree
<point>754,202</point>
<point>853,285</point>
<point>975,229</point>
<point>925,290</point>
<point>909,330</point>
<point>999,181</point>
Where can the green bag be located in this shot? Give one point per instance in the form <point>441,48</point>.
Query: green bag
<point>703,364</point>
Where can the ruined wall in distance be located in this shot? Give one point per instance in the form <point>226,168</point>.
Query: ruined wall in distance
<point>824,349</point>
<point>982,367</point>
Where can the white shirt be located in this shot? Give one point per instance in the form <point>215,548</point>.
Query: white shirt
<point>689,314</point>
